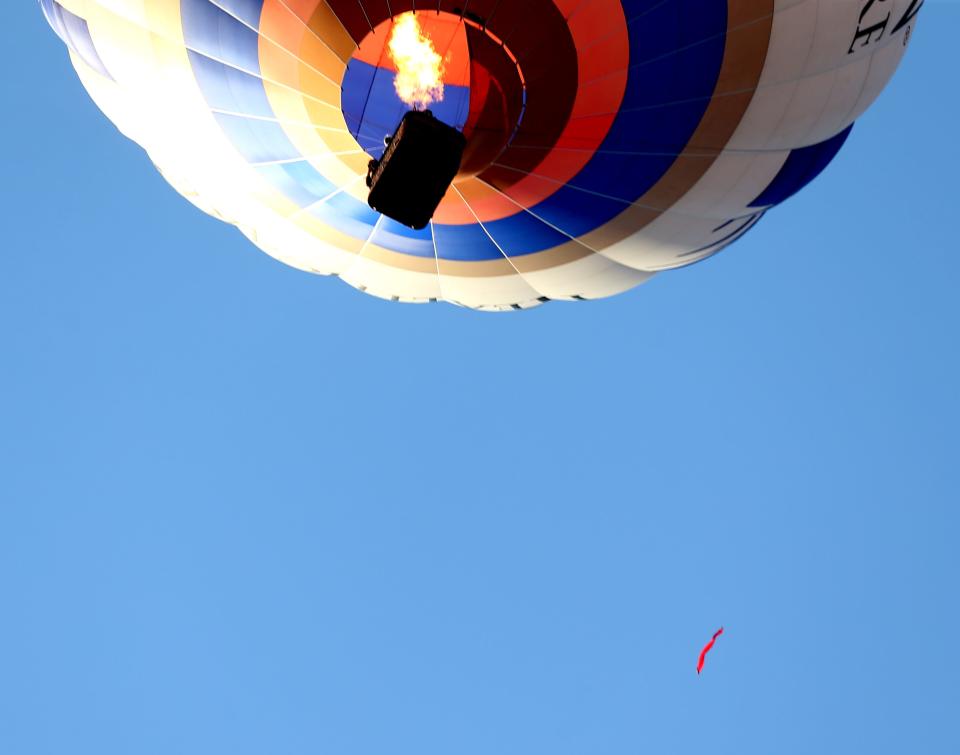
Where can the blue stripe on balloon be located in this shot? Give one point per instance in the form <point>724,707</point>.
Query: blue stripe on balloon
<point>75,33</point>
<point>258,141</point>
<point>379,111</point>
<point>299,182</point>
<point>635,9</point>
<point>213,32</point>
<point>466,243</point>
<point>227,88</point>
<point>570,210</point>
<point>802,166</point>
<point>393,235</point>
<point>524,234</point>
<point>248,11</point>
<point>347,215</point>
<point>357,83</point>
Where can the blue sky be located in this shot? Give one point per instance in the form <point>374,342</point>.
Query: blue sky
<point>248,510</point>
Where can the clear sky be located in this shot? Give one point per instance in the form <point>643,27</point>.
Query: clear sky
<point>249,511</point>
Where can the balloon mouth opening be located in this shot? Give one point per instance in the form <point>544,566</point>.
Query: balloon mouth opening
<point>449,63</point>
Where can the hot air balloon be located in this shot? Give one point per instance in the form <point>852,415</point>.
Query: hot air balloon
<point>606,140</point>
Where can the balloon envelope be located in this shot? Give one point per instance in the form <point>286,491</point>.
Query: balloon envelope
<point>607,139</point>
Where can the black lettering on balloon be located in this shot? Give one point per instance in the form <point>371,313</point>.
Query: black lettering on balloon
<point>866,10</point>
<point>866,33</point>
<point>912,11</point>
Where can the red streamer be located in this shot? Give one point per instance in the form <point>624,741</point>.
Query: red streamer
<point>707,648</point>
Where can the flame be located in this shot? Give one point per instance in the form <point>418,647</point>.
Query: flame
<point>419,79</point>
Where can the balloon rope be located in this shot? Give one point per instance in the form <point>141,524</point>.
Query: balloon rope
<point>316,36</point>
<point>364,11</point>
<point>359,255</point>
<point>436,258</point>
<point>538,294</point>
<point>534,215</point>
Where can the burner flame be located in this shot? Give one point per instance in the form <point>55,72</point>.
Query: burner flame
<point>419,79</point>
